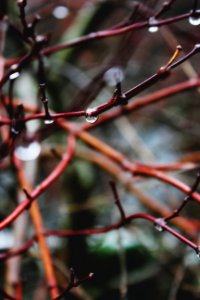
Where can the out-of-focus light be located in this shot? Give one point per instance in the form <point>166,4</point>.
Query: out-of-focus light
<point>6,239</point>
<point>48,121</point>
<point>60,12</point>
<point>14,75</point>
<point>152,25</point>
<point>28,152</point>
<point>195,21</point>
<point>113,76</point>
<point>153,29</point>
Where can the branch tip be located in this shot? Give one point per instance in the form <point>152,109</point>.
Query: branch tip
<point>117,200</point>
<point>28,195</point>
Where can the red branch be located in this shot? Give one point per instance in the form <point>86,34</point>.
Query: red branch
<point>57,171</point>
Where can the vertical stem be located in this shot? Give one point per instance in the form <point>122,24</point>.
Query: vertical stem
<point>39,229</point>
<point>123,284</point>
<point>13,281</point>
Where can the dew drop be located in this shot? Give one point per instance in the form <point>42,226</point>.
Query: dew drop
<point>28,152</point>
<point>153,29</point>
<point>48,121</point>
<point>60,12</point>
<point>13,76</point>
<point>197,46</point>
<point>14,67</point>
<point>89,117</point>
<point>152,25</point>
<point>194,20</point>
<point>14,131</point>
<point>113,76</point>
<point>198,252</point>
<point>91,275</point>
<point>159,224</point>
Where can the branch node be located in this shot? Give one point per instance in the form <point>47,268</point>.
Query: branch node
<point>159,224</point>
<point>28,195</point>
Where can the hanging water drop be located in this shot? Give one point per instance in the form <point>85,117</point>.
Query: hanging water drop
<point>153,25</point>
<point>89,115</point>
<point>28,152</point>
<point>195,19</point>
<point>14,75</point>
<point>48,121</point>
<point>14,130</point>
<point>113,76</point>
<point>153,29</point>
<point>159,223</point>
<point>198,252</point>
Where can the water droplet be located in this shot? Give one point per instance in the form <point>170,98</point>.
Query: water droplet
<point>153,29</point>
<point>28,152</point>
<point>90,118</point>
<point>195,19</point>
<point>91,275</point>
<point>198,252</point>
<point>113,76</point>
<point>14,67</point>
<point>14,75</point>
<point>48,121</point>
<point>153,25</point>
<point>197,46</point>
<point>60,12</point>
<point>159,224</point>
<point>14,131</point>
<point>40,38</point>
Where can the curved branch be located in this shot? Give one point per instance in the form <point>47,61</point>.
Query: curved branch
<point>57,171</point>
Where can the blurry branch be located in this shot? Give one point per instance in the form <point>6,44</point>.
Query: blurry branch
<point>178,278</point>
<point>6,295</point>
<point>128,182</point>
<point>133,168</point>
<point>13,278</point>
<point>57,171</point>
<point>165,6</point>
<point>39,229</point>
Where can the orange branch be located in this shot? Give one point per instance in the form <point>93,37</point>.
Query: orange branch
<point>39,229</point>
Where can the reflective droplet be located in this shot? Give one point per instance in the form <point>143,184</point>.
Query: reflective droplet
<point>153,29</point>
<point>113,76</point>
<point>40,38</point>
<point>194,20</point>
<point>198,252</point>
<point>60,12</point>
<point>48,121</point>
<point>152,25</point>
<point>159,224</point>
<point>197,46</point>
<point>28,152</point>
<point>14,75</point>
<point>90,118</point>
<point>14,131</point>
<point>14,67</point>
<point>91,275</point>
